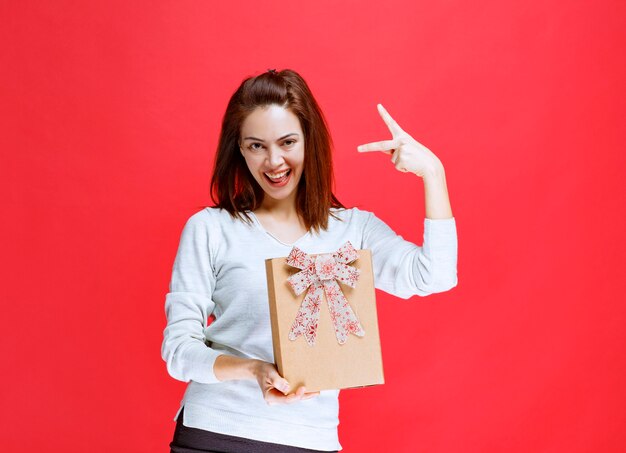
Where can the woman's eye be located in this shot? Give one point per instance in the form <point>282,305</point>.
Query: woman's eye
<point>252,146</point>
<point>287,142</point>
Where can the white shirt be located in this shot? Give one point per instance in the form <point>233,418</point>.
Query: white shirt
<point>220,269</point>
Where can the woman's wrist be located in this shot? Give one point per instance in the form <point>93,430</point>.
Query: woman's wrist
<point>434,172</point>
<point>437,200</point>
<point>228,367</point>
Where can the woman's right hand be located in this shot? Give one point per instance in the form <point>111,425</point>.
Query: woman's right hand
<point>275,388</point>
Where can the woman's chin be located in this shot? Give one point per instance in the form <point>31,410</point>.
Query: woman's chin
<point>279,195</point>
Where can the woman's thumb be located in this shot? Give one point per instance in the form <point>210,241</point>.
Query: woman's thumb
<point>281,384</point>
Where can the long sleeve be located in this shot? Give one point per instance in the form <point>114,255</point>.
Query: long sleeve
<point>405,269</point>
<point>188,305</point>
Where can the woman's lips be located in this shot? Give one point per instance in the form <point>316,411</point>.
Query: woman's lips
<point>280,182</point>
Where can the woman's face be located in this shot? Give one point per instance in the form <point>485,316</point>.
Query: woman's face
<point>272,142</point>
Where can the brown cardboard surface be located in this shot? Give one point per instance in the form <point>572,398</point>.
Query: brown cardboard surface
<point>327,364</point>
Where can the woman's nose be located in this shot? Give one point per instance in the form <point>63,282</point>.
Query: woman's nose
<point>275,156</point>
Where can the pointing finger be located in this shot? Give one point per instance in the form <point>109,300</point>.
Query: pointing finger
<point>383,145</point>
<point>393,126</point>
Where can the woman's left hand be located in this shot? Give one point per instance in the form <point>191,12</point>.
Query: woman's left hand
<point>407,154</point>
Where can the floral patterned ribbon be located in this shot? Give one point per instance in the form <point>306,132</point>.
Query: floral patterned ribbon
<point>320,274</point>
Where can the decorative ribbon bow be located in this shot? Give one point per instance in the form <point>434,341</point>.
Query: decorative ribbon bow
<point>319,275</point>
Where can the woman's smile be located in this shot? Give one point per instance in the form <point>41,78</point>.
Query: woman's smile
<point>282,179</point>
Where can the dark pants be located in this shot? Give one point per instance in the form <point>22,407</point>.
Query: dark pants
<point>193,440</point>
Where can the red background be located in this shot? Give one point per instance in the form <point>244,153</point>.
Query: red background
<point>110,113</point>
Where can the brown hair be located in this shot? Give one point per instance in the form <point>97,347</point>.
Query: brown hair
<point>234,189</point>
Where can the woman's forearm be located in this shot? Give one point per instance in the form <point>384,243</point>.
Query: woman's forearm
<point>436,194</point>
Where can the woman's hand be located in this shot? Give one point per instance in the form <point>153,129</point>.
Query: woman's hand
<point>275,388</point>
<point>407,154</point>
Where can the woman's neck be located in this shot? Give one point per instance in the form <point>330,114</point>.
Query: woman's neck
<point>280,210</point>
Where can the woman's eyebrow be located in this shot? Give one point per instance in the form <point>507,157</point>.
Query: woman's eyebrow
<point>284,136</point>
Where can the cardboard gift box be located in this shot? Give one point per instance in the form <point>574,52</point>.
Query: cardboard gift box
<point>324,321</point>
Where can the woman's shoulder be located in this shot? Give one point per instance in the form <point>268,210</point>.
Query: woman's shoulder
<point>213,222</point>
<point>210,217</point>
<point>353,214</point>
<point>353,211</point>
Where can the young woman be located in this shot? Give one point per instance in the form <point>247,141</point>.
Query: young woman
<point>271,185</point>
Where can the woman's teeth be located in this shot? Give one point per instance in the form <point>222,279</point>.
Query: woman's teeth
<point>276,175</point>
